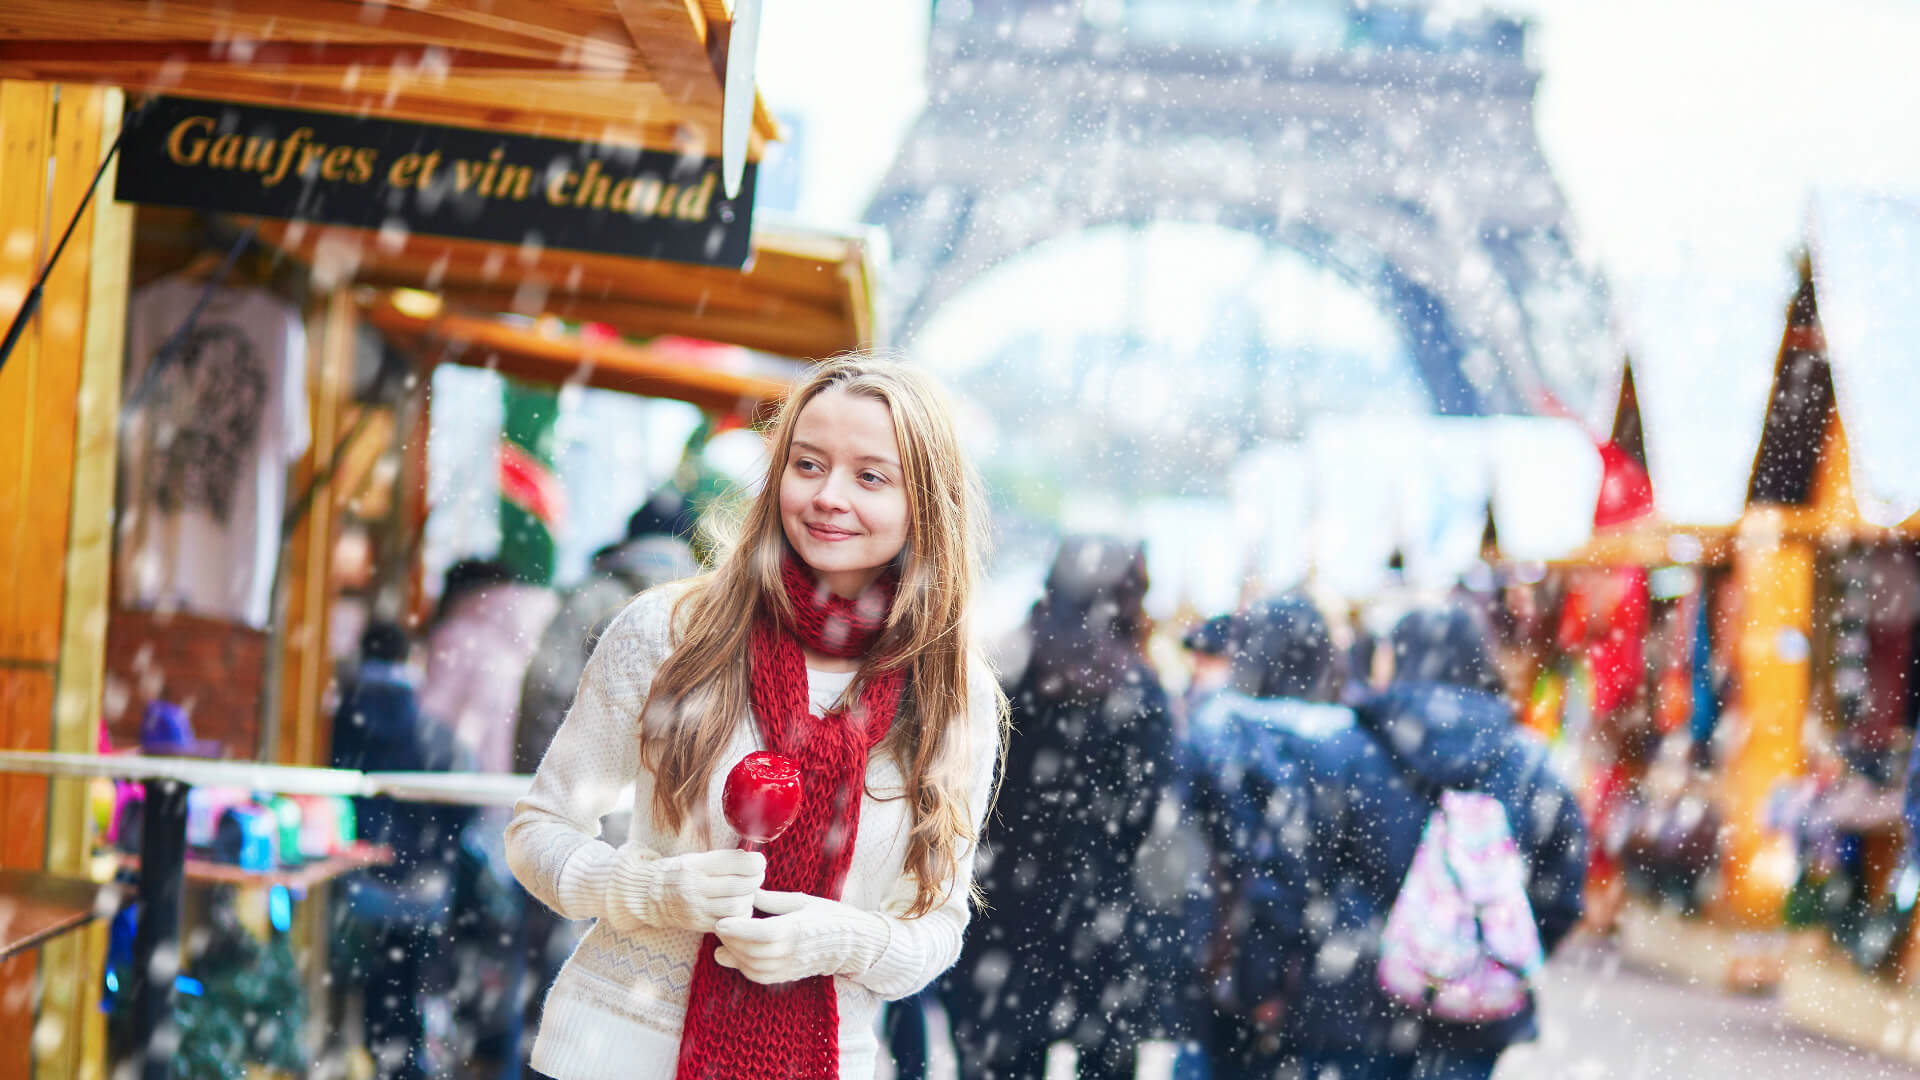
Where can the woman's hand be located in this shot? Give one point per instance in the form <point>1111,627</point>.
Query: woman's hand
<point>683,892</point>
<point>805,936</point>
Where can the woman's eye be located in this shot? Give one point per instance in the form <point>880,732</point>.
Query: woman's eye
<point>806,466</point>
<point>871,477</point>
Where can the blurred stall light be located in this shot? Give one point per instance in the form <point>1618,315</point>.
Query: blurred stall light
<point>416,303</point>
<point>1684,548</point>
<point>1907,889</point>
<point>1672,582</point>
<point>742,455</point>
<point>1529,572</point>
<point>1479,578</point>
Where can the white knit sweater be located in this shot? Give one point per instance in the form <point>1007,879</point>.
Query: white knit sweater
<point>616,1009</point>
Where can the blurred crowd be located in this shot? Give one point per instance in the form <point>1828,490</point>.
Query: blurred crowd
<point>1215,867</point>
<point>1219,868</point>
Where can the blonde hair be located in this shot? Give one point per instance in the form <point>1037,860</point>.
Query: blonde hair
<point>701,690</point>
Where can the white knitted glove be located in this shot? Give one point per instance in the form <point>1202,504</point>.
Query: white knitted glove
<point>806,936</point>
<point>682,892</point>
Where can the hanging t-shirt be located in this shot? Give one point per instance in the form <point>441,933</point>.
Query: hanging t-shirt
<point>205,452</point>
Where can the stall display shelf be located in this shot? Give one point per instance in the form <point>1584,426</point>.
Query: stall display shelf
<point>36,907</point>
<point>163,844</point>
<point>296,878</point>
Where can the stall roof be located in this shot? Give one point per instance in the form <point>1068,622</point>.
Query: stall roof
<point>805,292</point>
<point>638,72</point>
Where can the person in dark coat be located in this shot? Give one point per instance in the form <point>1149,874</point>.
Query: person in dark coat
<point>1255,748</point>
<point>396,918</point>
<point>1063,948</point>
<point>1442,724</point>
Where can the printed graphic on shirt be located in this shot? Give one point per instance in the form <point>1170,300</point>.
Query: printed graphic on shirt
<point>209,397</point>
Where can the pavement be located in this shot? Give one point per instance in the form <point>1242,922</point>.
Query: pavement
<point>1604,1020</point>
<point>1601,1019</point>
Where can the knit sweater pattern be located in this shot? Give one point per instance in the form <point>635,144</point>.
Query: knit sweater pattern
<point>616,1009</point>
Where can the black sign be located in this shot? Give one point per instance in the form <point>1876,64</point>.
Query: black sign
<point>392,175</point>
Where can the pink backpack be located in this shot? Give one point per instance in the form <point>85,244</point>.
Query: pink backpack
<point>1460,942</point>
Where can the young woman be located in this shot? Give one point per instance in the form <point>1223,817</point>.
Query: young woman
<point>834,631</point>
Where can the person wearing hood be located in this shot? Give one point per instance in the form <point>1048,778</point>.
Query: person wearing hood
<point>1258,748</point>
<point>1442,724</point>
<point>654,552</point>
<point>1064,948</point>
<point>1211,646</point>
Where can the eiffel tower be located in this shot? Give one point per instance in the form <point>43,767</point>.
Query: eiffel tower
<point>1383,140</point>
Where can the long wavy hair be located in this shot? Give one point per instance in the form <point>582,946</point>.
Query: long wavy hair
<point>701,690</point>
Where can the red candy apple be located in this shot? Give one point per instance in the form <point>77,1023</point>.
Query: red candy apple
<point>762,797</point>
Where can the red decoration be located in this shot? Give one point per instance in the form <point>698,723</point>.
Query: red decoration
<point>530,484</point>
<point>762,797</point>
<point>1626,491</point>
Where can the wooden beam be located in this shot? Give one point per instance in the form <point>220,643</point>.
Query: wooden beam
<point>802,333</point>
<point>338,58</point>
<point>670,37</point>
<point>803,296</point>
<point>247,22</point>
<point>529,355</point>
<point>620,113</point>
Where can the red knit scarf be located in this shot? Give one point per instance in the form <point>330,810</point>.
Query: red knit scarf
<point>737,1029</point>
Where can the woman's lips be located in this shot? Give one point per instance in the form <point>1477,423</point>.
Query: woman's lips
<point>828,533</point>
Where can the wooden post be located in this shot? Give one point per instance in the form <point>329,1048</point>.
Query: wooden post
<point>59,399</point>
<point>303,735</point>
<point>1774,575</point>
<point>70,1003</point>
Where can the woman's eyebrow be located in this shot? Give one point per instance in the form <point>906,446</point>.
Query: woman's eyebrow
<point>800,444</point>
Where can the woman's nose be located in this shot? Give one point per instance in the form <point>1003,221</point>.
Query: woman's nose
<point>832,492</point>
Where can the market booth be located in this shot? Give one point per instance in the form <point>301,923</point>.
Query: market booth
<point>617,162</point>
<point>1836,484</point>
<point>1775,660</point>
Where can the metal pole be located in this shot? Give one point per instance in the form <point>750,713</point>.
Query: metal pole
<point>156,942</point>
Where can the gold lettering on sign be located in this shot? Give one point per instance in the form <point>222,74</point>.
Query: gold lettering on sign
<point>695,200</point>
<point>287,150</point>
<point>515,179</point>
<point>183,151</point>
<point>600,185</point>
<point>258,154</point>
<point>404,167</point>
<point>225,153</point>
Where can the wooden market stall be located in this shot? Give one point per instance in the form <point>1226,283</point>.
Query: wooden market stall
<point>618,84</point>
<point>1843,671</point>
<point>1814,614</point>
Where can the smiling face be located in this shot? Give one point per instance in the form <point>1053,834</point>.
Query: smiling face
<point>843,496</point>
